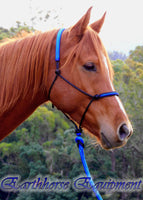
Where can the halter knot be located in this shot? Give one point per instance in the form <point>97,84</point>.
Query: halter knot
<point>96,97</point>
<point>78,131</point>
<point>79,141</point>
<point>57,72</point>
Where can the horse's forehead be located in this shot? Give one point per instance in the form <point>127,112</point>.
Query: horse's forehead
<point>92,42</point>
<point>91,46</point>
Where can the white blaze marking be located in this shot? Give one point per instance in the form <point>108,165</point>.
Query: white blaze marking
<point>107,67</point>
<point>106,64</point>
<point>120,105</point>
<point>117,98</point>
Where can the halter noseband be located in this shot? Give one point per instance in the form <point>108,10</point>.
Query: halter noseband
<point>58,74</point>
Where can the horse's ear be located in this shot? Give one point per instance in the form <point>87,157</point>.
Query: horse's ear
<point>96,26</point>
<point>78,29</point>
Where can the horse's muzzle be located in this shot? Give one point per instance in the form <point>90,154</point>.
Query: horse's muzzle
<point>123,134</point>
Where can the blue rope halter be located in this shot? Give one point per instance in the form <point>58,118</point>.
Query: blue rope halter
<point>78,130</point>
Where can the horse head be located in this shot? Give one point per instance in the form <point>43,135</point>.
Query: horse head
<point>85,63</point>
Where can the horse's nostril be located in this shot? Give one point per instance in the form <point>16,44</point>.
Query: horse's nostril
<point>124,132</point>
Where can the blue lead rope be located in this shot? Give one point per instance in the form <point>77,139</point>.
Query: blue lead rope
<point>80,142</point>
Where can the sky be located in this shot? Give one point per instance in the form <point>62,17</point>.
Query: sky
<point>122,30</point>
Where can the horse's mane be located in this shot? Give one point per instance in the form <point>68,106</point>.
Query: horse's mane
<point>24,64</point>
<point>19,35</point>
<point>21,67</point>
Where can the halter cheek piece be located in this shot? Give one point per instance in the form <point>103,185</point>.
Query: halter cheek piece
<point>58,74</point>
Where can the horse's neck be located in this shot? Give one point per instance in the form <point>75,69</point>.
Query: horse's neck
<point>10,120</point>
<point>25,105</point>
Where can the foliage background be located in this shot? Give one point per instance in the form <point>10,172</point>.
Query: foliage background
<point>44,143</point>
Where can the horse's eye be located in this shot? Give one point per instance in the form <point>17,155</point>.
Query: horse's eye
<point>90,66</point>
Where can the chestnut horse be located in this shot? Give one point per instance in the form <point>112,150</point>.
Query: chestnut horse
<point>27,70</point>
